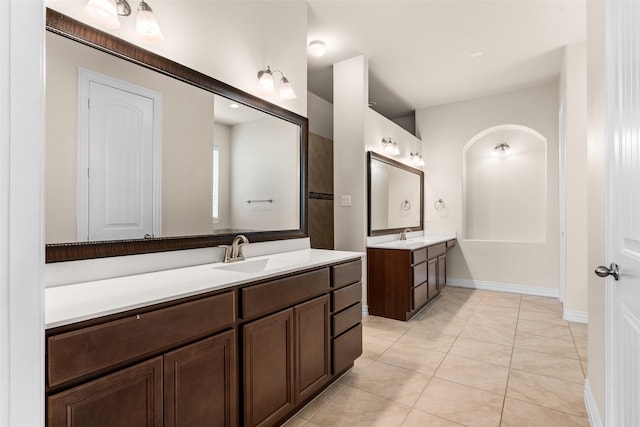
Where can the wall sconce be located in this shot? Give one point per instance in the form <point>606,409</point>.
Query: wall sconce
<point>416,159</point>
<point>502,147</point>
<point>105,13</point>
<point>266,85</point>
<point>390,146</point>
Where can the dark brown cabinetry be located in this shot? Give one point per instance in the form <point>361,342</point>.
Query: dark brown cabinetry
<point>206,370</point>
<point>286,359</point>
<point>195,382</point>
<point>184,363</point>
<point>346,309</point>
<point>268,368</point>
<point>400,282</point>
<point>131,397</point>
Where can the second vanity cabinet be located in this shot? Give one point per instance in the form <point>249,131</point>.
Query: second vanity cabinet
<point>400,282</point>
<point>248,355</point>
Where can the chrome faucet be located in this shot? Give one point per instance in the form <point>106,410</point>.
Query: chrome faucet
<point>403,235</point>
<point>234,252</point>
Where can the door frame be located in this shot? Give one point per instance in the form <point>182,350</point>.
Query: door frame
<point>85,77</point>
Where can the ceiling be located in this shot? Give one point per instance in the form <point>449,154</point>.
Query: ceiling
<point>420,51</point>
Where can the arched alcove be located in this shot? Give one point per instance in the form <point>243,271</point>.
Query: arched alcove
<point>505,190</point>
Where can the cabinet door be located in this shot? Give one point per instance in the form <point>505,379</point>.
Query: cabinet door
<point>268,368</point>
<point>432,278</point>
<point>442,271</point>
<point>312,352</point>
<point>200,383</point>
<point>131,397</point>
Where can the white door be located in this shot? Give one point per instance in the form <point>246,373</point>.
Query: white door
<point>622,352</point>
<point>119,195</point>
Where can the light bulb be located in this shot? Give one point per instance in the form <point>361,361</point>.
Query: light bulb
<point>103,13</point>
<point>147,27</point>
<point>286,90</point>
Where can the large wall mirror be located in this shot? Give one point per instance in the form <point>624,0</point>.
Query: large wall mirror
<point>395,196</point>
<point>146,155</point>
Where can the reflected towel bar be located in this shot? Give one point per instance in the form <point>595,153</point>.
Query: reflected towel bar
<point>260,201</point>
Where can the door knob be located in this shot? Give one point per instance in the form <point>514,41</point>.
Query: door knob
<point>603,271</point>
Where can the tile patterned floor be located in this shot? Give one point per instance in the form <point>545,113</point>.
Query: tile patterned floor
<point>471,358</point>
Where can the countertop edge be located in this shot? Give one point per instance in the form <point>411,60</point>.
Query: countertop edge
<point>235,279</point>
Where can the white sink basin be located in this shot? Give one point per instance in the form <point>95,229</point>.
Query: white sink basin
<point>255,266</point>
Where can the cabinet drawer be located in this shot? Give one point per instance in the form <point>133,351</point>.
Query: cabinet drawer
<point>419,256</point>
<point>345,274</point>
<point>85,351</point>
<point>347,348</point>
<point>419,274</point>
<point>420,296</point>
<point>436,250</point>
<point>343,298</point>
<point>451,243</point>
<point>281,293</point>
<point>345,319</point>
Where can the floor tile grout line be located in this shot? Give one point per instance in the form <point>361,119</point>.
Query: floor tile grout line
<point>513,346</point>
<point>549,377</point>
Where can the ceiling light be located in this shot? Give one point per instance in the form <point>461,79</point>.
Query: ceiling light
<point>234,105</point>
<point>266,84</point>
<point>416,159</point>
<point>475,55</point>
<point>105,13</point>
<point>390,146</point>
<point>502,147</point>
<point>317,48</point>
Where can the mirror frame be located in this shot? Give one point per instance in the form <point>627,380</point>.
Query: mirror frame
<point>372,155</point>
<point>70,28</point>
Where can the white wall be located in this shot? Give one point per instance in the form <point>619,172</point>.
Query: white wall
<point>573,90</point>
<point>21,213</point>
<point>228,40</point>
<point>505,192</point>
<point>596,199</point>
<point>445,130</point>
<point>320,113</point>
<point>350,98</point>
<point>222,139</point>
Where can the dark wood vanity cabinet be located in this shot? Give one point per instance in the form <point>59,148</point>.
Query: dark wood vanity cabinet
<point>286,359</point>
<point>180,385</point>
<point>279,341</point>
<point>401,282</point>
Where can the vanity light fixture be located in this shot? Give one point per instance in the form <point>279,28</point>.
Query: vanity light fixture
<point>502,147</point>
<point>104,13</point>
<point>390,146</point>
<point>416,159</point>
<point>317,48</point>
<point>266,85</point>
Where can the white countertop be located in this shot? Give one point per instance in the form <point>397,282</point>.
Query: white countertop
<point>415,242</point>
<point>82,301</point>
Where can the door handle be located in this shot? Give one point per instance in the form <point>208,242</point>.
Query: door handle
<point>603,271</point>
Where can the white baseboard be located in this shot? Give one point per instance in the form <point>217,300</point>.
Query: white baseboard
<point>592,407</point>
<point>503,287</point>
<point>575,316</point>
